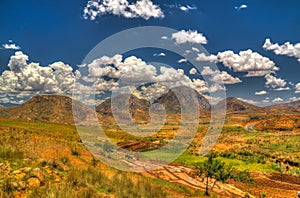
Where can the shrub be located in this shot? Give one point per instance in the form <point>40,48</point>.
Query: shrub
<point>65,160</point>
<point>7,187</point>
<point>243,176</point>
<point>75,152</point>
<point>9,154</point>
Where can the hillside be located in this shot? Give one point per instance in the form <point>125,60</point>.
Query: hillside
<point>172,104</point>
<point>139,107</point>
<point>50,108</point>
<point>289,107</point>
<point>234,105</point>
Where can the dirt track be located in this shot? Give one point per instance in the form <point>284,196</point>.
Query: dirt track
<point>275,185</point>
<point>184,176</point>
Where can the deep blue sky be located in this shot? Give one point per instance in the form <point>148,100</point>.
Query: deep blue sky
<point>50,31</point>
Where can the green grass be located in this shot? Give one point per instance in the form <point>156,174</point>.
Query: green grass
<point>233,129</point>
<point>177,188</point>
<point>193,160</point>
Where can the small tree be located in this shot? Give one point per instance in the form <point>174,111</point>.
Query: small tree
<point>214,169</point>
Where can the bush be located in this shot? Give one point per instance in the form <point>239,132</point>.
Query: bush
<point>228,154</point>
<point>75,152</point>
<point>247,195</point>
<point>7,187</point>
<point>65,160</point>
<point>243,176</point>
<point>7,153</point>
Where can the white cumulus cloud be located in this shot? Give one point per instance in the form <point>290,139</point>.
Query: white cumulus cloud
<point>57,77</point>
<point>190,36</point>
<point>288,49</point>
<point>140,9</point>
<point>272,81</point>
<point>297,87</point>
<point>245,61</point>
<point>219,76</point>
<point>193,71</point>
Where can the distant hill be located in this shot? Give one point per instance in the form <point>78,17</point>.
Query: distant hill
<point>140,107</point>
<point>137,107</point>
<point>289,107</point>
<point>234,105</point>
<point>172,104</point>
<point>50,108</point>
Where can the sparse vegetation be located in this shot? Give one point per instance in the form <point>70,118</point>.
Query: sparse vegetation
<point>67,165</point>
<point>92,183</point>
<point>10,153</point>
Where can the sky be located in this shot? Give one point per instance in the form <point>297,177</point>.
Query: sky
<point>255,45</point>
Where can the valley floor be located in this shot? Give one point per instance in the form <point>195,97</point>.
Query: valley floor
<point>40,159</point>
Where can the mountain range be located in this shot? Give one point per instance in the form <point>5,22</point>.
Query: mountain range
<point>55,108</point>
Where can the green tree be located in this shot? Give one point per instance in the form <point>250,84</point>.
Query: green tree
<point>214,169</point>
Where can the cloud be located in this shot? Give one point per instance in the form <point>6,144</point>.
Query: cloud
<point>225,78</point>
<point>190,36</point>
<point>297,87</point>
<point>11,46</point>
<point>266,100</point>
<point>287,48</point>
<point>183,60</point>
<point>282,89</point>
<point>219,76</point>
<point>151,92</point>
<point>187,8</point>
<point>195,49</point>
<point>258,73</point>
<point>201,86</point>
<point>24,79</point>
<point>259,93</point>
<point>135,70</point>
<point>249,101</point>
<point>213,100</point>
<point>292,99</point>
<point>160,54</point>
<point>131,70</point>
<point>207,71</point>
<point>165,38</point>
<point>272,81</point>
<point>55,78</point>
<point>103,74</point>
<point>81,65</point>
<point>140,9</point>
<point>243,6</point>
<point>105,85</point>
<point>193,71</point>
<point>276,100</point>
<point>216,87</point>
<point>245,61</point>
